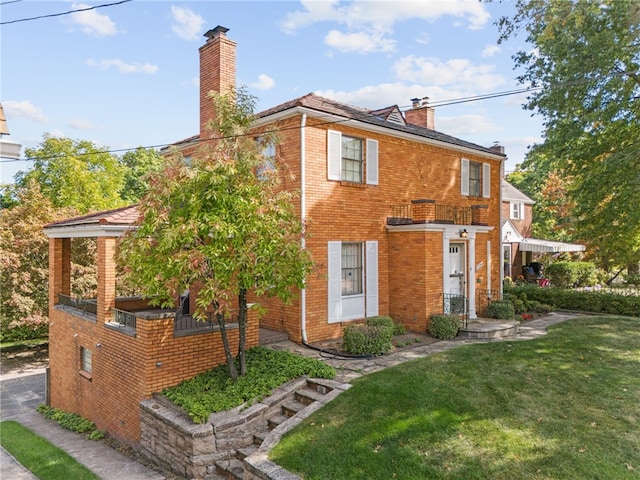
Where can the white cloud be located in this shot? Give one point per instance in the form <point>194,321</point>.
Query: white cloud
<point>80,124</point>
<point>123,67</point>
<point>385,94</point>
<point>93,22</point>
<point>458,72</point>
<point>466,125</point>
<point>363,14</point>
<point>187,25</point>
<point>265,82</point>
<point>360,42</point>
<point>490,51</point>
<point>24,109</point>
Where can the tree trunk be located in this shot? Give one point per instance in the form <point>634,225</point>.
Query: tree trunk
<point>242,330</point>
<point>233,373</point>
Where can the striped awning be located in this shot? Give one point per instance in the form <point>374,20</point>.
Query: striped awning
<point>548,246</point>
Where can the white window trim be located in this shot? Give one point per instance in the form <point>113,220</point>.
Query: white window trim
<point>334,282</point>
<point>334,158</point>
<point>464,178</point>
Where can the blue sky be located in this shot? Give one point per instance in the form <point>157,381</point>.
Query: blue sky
<point>127,75</point>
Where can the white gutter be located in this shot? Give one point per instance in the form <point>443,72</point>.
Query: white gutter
<point>303,214</point>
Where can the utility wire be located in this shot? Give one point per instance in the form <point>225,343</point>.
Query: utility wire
<point>63,13</point>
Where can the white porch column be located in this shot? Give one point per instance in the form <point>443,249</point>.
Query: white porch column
<point>472,275</point>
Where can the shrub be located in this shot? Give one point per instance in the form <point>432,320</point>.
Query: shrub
<point>399,329</point>
<point>444,326</point>
<point>633,279</point>
<point>380,321</point>
<point>501,309</point>
<point>33,327</point>
<point>572,274</point>
<point>592,301</point>
<point>71,421</point>
<point>365,339</point>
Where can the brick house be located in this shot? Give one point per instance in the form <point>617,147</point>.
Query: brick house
<point>403,221</point>
<point>519,249</point>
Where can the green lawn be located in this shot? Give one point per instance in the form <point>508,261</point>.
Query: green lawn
<point>565,406</point>
<point>45,460</point>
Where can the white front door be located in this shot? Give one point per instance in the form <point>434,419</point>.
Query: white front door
<point>454,298</point>
<point>456,268</point>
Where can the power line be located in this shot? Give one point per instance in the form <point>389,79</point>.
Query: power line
<point>62,13</point>
<point>441,103</point>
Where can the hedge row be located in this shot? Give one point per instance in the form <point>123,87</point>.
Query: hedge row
<point>593,301</point>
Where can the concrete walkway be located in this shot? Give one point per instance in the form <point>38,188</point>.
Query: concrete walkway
<point>20,395</point>
<point>19,398</point>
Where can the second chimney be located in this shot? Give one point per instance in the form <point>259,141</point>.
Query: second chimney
<point>217,71</point>
<point>421,114</point>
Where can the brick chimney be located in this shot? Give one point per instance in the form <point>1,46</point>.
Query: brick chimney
<point>421,114</point>
<point>217,71</point>
<point>497,147</point>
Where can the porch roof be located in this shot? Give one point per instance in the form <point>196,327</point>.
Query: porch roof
<point>548,246</point>
<point>111,223</point>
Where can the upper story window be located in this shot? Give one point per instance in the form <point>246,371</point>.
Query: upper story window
<point>475,179</point>
<point>269,163</point>
<point>352,159</point>
<point>517,211</point>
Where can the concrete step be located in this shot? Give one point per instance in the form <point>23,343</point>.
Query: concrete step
<point>307,395</point>
<point>259,437</point>
<point>244,452</point>
<point>276,420</point>
<point>488,329</point>
<point>230,469</point>
<point>291,408</point>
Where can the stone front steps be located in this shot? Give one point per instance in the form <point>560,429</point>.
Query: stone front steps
<point>250,462</point>
<point>488,329</point>
<point>233,444</point>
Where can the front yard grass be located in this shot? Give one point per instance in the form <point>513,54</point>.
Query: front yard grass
<point>46,461</point>
<point>564,406</point>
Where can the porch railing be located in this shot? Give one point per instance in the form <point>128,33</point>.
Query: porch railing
<point>483,298</point>
<point>86,306</point>
<point>124,318</point>
<point>184,323</point>
<point>455,304</point>
<point>428,211</point>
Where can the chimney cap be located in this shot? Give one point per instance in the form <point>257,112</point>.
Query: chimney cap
<point>216,32</point>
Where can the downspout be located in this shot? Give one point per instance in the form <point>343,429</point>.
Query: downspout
<point>303,214</point>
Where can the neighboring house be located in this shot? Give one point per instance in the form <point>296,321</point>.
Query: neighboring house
<point>519,249</point>
<point>403,221</point>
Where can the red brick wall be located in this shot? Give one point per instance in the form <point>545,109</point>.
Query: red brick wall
<point>343,212</point>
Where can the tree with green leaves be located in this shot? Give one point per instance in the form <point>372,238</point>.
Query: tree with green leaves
<point>583,64</point>
<point>139,163</point>
<point>75,173</point>
<point>219,227</point>
<point>24,260</point>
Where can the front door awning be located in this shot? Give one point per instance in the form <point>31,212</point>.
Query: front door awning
<point>548,246</point>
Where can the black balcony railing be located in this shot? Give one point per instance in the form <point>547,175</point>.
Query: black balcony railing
<point>455,304</point>
<point>84,305</point>
<point>453,214</point>
<point>440,213</point>
<point>124,318</point>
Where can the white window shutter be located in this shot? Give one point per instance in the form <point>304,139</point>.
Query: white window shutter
<point>522,211</point>
<point>372,162</point>
<point>335,281</point>
<point>371,278</point>
<point>464,176</point>
<point>334,154</point>
<point>486,180</point>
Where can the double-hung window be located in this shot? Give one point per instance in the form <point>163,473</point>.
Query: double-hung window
<point>475,178</point>
<point>269,161</point>
<point>86,363</point>
<point>352,280</point>
<point>352,159</point>
<point>351,269</point>
<point>517,210</point>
